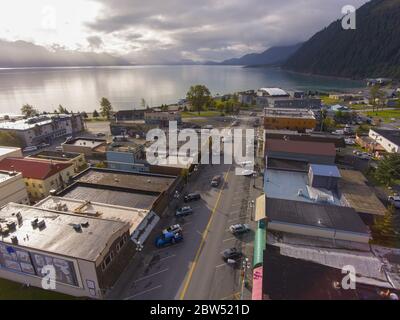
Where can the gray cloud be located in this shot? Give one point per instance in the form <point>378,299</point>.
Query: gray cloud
<point>213,29</point>
<point>95,42</point>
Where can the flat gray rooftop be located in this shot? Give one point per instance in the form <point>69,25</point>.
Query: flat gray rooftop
<point>86,143</point>
<point>133,181</point>
<point>315,215</point>
<point>109,196</point>
<point>132,216</point>
<point>59,236</point>
<point>281,184</point>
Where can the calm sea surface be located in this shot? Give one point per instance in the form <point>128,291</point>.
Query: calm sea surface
<point>80,89</point>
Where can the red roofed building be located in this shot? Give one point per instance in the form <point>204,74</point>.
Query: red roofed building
<point>306,151</point>
<point>40,177</point>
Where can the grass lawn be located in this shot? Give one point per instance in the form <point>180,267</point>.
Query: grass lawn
<point>193,114</point>
<point>329,101</point>
<point>385,115</point>
<point>15,291</point>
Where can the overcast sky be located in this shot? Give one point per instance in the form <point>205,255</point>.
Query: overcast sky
<point>147,30</point>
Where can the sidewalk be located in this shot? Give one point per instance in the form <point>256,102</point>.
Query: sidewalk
<point>255,192</point>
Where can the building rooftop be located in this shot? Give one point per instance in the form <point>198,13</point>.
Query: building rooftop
<point>325,170</point>
<point>132,216</point>
<point>288,113</point>
<point>59,236</point>
<point>109,195</point>
<point>6,175</point>
<point>31,168</point>
<point>55,155</point>
<point>295,279</point>
<point>146,182</point>
<point>6,150</point>
<point>287,185</point>
<point>30,123</point>
<point>86,142</point>
<point>391,135</point>
<point>300,147</point>
<point>357,194</point>
<point>315,215</point>
<point>314,136</point>
<point>274,92</point>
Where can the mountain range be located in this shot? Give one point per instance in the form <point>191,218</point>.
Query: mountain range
<point>20,54</point>
<point>271,56</point>
<point>371,50</point>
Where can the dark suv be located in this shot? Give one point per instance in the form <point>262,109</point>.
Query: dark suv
<point>192,197</point>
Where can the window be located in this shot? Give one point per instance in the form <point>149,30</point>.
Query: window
<point>107,261</point>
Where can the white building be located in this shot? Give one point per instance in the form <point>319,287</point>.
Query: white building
<point>12,188</point>
<point>87,254</point>
<point>388,139</point>
<point>44,128</point>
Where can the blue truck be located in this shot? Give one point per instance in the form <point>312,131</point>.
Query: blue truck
<point>168,238</point>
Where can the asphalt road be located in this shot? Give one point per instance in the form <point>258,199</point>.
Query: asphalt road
<point>194,269</point>
<point>209,277</point>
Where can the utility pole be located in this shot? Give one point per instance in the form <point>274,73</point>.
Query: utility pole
<point>245,266</point>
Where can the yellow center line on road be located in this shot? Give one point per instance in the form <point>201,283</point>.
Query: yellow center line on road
<point>203,238</point>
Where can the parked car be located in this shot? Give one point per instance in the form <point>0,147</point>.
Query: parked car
<point>59,148</point>
<point>231,254</point>
<point>100,134</point>
<point>30,149</point>
<point>168,238</point>
<point>176,228</point>
<point>120,138</point>
<point>239,228</point>
<point>349,141</point>
<point>192,197</point>
<point>364,156</point>
<point>43,145</point>
<point>395,200</point>
<point>216,181</point>
<point>184,211</point>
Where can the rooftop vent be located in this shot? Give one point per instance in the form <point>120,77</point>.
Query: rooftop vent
<point>77,227</point>
<point>11,225</point>
<point>34,223</point>
<point>41,224</point>
<point>14,239</point>
<point>19,217</point>
<point>85,224</point>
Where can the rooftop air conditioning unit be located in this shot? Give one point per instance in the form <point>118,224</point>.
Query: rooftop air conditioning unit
<point>41,224</point>
<point>34,223</point>
<point>19,217</point>
<point>300,193</point>
<point>11,225</point>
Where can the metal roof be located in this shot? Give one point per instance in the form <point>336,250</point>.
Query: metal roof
<point>325,170</point>
<point>274,91</point>
<point>315,215</point>
<point>300,147</point>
